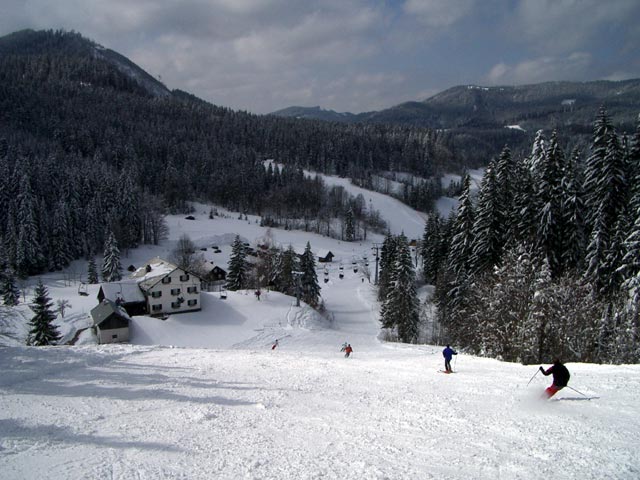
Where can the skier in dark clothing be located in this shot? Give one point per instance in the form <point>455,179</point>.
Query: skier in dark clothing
<point>560,377</point>
<point>448,354</point>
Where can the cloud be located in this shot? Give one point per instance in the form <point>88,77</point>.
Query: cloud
<point>262,55</point>
<point>567,25</point>
<point>542,69</point>
<point>438,13</point>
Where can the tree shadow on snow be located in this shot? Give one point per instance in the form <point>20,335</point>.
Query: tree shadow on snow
<point>14,429</point>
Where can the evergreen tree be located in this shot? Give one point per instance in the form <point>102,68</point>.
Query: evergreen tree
<point>29,258</point>
<point>309,280</point>
<point>287,265</point>
<point>460,251</point>
<point>431,250</point>
<point>400,308</point>
<point>92,271</point>
<point>349,226</point>
<point>573,212</point>
<point>540,323</point>
<point>505,173</point>
<point>537,152</point>
<point>61,248</point>
<point>10,291</point>
<point>43,331</point>
<point>111,269</point>
<point>608,192</point>
<point>522,214</point>
<point>550,229</point>
<point>237,269</point>
<point>488,225</point>
<point>387,261</point>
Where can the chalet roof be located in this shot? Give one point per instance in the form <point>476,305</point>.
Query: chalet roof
<point>208,267</point>
<point>155,270</point>
<point>324,252</point>
<point>126,291</point>
<point>105,310</point>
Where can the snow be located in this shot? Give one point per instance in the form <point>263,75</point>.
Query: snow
<point>515,127</point>
<point>202,395</point>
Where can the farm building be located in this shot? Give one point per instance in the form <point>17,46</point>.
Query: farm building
<point>111,322</point>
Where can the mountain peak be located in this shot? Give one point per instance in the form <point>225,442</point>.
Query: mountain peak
<point>72,45</point>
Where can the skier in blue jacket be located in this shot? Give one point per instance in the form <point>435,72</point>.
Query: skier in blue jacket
<point>448,353</point>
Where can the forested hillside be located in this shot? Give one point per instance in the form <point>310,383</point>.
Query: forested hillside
<point>481,120</point>
<point>545,261</point>
<point>90,144</point>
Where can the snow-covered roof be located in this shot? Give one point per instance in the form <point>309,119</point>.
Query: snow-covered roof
<point>104,310</point>
<point>323,252</point>
<point>153,271</point>
<point>128,291</point>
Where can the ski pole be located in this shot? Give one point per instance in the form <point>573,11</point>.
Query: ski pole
<point>577,391</point>
<point>534,376</point>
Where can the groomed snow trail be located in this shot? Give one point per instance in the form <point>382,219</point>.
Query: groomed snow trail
<point>127,412</point>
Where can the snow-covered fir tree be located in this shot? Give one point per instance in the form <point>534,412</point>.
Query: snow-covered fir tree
<point>400,309</point>
<point>237,268</point>
<point>29,258</point>
<point>387,260</point>
<point>489,224</point>
<point>461,249</point>
<point>550,219</point>
<point>607,192</point>
<point>505,177</point>
<point>10,291</point>
<point>522,212</point>
<point>92,271</point>
<point>61,244</point>
<point>309,281</point>
<point>43,331</point>
<point>349,226</point>
<point>111,268</point>
<point>573,249</point>
<point>288,263</point>
<point>430,249</point>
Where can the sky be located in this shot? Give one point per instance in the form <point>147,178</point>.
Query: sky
<point>349,55</point>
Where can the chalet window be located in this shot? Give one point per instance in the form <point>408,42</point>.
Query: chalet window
<point>175,291</point>
<point>157,307</point>
<point>156,294</point>
<point>192,289</point>
<point>191,303</point>
<point>166,280</point>
<point>175,304</point>
<point>114,336</point>
<point>184,278</point>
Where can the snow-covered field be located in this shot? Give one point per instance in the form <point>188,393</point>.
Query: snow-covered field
<point>203,396</point>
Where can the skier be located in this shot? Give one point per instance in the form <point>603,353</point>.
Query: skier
<point>257,294</point>
<point>448,353</point>
<point>344,347</point>
<point>347,351</point>
<point>560,377</point>
<point>275,344</point>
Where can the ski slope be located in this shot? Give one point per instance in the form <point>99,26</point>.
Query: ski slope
<point>203,396</point>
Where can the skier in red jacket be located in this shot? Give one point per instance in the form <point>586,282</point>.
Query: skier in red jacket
<point>347,351</point>
<point>561,377</point>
